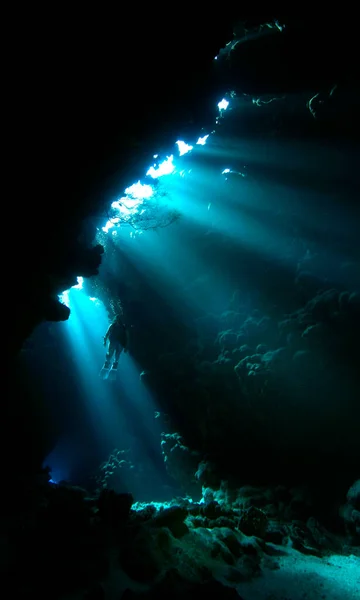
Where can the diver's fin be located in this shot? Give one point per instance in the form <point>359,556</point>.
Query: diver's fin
<point>104,373</point>
<point>112,374</point>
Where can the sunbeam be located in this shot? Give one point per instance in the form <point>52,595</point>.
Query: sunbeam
<point>121,413</point>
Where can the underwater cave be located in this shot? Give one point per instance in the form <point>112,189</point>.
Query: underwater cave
<point>182,413</point>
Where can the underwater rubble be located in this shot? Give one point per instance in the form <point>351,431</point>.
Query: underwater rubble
<point>63,542</point>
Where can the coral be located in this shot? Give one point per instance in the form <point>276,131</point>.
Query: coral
<point>350,512</point>
<point>253,521</point>
<point>180,461</point>
<point>109,469</point>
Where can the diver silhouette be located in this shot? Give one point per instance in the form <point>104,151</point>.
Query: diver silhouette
<point>117,338</point>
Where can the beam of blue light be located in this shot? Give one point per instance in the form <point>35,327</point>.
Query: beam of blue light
<point>80,284</point>
<point>137,192</point>
<point>125,206</point>
<point>166,167</point>
<point>84,333</point>
<point>178,276</point>
<point>202,140</point>
<point>113,408</point>
<point>109,225</point>
<point>183,147</point>
<point>223,104</point>
<point>129,204</point>
<point>64,297</point>
<point>59,462</point>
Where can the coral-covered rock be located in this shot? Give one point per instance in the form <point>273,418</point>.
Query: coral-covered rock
<point>172,518</point>
<point>142,558</point>
<point>350,512</point>
<point>253,521</point>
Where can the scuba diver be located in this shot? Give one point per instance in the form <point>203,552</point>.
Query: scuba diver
<point>117,336</point>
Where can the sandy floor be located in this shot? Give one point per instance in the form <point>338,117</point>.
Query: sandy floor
<point>306,577</point>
